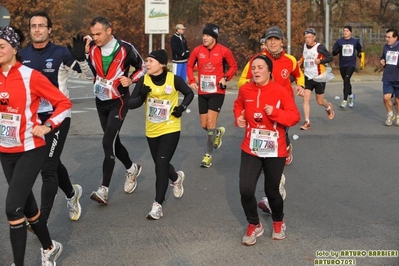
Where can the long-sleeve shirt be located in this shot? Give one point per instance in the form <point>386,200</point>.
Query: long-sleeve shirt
<point>346,49</point>
<point>20,92</point>
<point>391,56</point>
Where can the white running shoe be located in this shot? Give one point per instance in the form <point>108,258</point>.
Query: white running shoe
<point>178,188</point>
<point>156,211</point>
<point>73,203</point>
<point>101,195</point>
<point>50,256</point>
<point>131,179</point>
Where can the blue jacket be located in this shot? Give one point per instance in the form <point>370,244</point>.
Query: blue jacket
<point>346,50</point>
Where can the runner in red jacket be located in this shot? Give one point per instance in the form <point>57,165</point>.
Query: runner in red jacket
<point>264,109</point>
<point>211,58</point>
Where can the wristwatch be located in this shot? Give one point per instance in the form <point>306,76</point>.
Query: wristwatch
<point>48,124</point>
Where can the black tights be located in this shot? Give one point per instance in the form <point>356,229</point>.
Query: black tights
<point>346,74</point>
<point>162,149</point>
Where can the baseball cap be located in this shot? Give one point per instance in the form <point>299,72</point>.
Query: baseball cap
<point>274,32</point>
<point>310,31</point>
<point>180,26</point>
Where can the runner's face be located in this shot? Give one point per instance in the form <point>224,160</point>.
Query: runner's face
<point>347,34</point>
<point>274,44</point>
<point>101,35</point>
<point>7,54</point>
<point>310,39</point>
<point>208,40</point>
<point>39,30</point>
<point>260,71</point>
<point>389,39</point>
<point>153,66</point>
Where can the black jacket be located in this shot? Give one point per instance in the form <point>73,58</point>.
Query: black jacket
<point>180,52</point>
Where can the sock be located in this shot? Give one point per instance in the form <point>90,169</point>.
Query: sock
<point>18,234</point>
<point>390,113</point>
<point>132,168</point>
<point>41,231</point>
<point>209,144</point>
<point>71,194</point>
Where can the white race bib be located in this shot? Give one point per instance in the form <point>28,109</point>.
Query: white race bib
<point>392,58</point>
<point>208,83</point>
<point>309,63</point>
<point>10,125</point>
<point>103,89</point>
<point>347,50</point>
<point>158,111</point>
<point>264,143</point>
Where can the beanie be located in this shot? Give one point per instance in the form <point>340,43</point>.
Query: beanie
<point>211,30</point>
<point>267,60</point>
<point>348,27</point>
<point>160,55</point>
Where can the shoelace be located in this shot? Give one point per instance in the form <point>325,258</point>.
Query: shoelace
<point>277,227</point>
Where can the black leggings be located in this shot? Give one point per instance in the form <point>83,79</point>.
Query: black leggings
<point>162,149</point>
<point>250,169</point>
<point>112,113</point>
<point>346,74</point>
<point>54,173</point>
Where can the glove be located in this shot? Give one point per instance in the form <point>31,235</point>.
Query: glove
<point>178,111</point>
<point>78,49</point>
<point>223,87</point>
<point>359,55</point>
<point>145,90</point>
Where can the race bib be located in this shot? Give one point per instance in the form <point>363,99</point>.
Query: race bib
<point>347,50</point>
<point>392,58</point>
<point>264,143</point>
<point>309,63</point>
<point>103,89</point>
<point>158,111</point>
<point>208,83</point>
<point>10,125</point>
<point>45,106</point>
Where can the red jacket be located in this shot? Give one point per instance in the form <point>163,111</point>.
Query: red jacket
<point>252,99</point>
<point>283,67</point>
<point>20,94</point>
<point>211,62</point>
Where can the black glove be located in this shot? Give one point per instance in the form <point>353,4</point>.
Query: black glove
<point>145,90</point>
<point>359,55</point>
<point>223,87</point>
<point>178,111</point>
<point>78,49</point>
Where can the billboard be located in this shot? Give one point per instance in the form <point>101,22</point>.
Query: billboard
<point>156,16</point>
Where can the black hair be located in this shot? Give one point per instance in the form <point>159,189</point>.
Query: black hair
<point>42,14</point>
<point>102,20</point>
<point>394,32</point>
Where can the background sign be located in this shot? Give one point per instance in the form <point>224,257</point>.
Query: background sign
<point>4,17</point>
<point>156,16</point>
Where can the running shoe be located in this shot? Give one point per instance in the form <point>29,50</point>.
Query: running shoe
<point>330,111</point>
<point>290,157</point>
<point>50,256</point>
<point>131,179</point>
<point>156,211</point>
<point>389,120</point>
<point>73,203</point>
<point>101,195</point>
<point>351,100</point>
<point>278,230</point>
<point>283,193</point>
<point>253,231</point>
<point>178,188</point>
<point>343,104</point>
<point>206,161</point>
<point>264,205</point>
<point>306,125</point>
<point>218,139</point>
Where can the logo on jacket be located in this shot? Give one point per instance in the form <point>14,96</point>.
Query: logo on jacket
<point>4,98</point>
<point>285,73</point>
<point>49,63</point>
<point>258,117</point>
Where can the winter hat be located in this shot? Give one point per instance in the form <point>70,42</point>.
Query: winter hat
<point>10,35</point>
<point>348,27</point>
<point>310,31</point>
<point>160,55</point>
<point>268,61</point>
<point>211,30</point>
<point>274,32</point>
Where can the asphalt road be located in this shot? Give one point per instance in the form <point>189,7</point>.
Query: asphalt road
<point>341,194</point>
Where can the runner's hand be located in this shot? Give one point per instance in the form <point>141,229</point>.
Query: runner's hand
<point>178,111</point>
<point>78,49</point>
